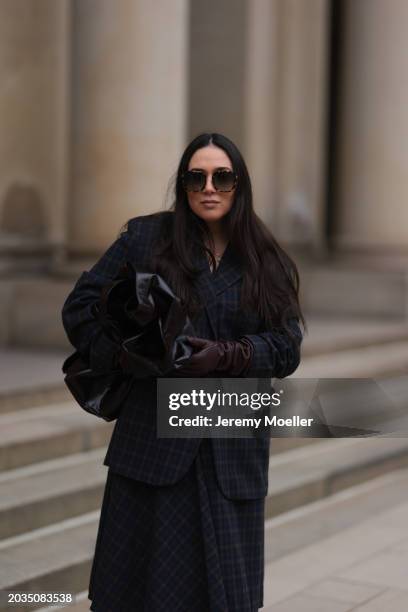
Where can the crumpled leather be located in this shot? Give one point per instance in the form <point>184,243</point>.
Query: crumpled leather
<point>100,394</point>
<point>141,315</point>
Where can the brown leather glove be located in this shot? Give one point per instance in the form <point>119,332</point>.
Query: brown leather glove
<point>231,356</point>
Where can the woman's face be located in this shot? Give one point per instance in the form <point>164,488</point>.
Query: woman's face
<point>209,204</point>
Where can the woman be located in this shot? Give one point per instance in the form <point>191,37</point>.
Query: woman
<point>182,520</point>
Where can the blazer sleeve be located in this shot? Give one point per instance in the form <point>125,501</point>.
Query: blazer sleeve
<point>276,354</point>
<point>78,312</point>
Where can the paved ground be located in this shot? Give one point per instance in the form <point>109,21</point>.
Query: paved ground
<point>360,569</point>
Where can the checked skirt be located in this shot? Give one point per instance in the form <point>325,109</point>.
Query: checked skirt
<point>178,548</point>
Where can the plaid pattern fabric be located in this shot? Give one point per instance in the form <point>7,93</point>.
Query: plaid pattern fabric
<point>134,450</point>
<point>179,548</point>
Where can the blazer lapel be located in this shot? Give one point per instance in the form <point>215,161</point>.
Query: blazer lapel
<point>209,285</point>
<point>229,271</point>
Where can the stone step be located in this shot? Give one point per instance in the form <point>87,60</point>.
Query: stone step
<point>354,290</point>
<point>56,490</point>
<point>81,604</point>
<point>48,491</point>
<point>366,362</point>
<point>52,559</point>
<point>30,370</point>
<point>51,491</point>
<point>312,522</point>
<point>333,334</point>
<point>56,430</point>
<point>283,445</point>
<point>31,311</point>
<point>31,378</point>
<point>36,396</point>
<point>304,475</point>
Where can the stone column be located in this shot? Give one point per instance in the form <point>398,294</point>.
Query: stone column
<point>300,131</point>
<point>371,182</point>
<point>34,71</point>
<point>129,112</point>
<point>261,109</point>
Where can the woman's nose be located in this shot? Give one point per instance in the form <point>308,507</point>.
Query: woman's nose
<point>209,184</point>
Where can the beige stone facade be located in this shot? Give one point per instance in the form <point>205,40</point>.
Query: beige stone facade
<point>99,98</point>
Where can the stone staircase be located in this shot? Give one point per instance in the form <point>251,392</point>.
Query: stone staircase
<point>52,477</point>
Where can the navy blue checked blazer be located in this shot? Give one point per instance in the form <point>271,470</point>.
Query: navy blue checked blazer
<point>134,451</point>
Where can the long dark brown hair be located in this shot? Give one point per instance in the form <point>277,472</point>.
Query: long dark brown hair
<point>270,278</point>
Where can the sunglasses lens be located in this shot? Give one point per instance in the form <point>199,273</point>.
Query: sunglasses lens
<point>224,180</point>
<point>194,181</point>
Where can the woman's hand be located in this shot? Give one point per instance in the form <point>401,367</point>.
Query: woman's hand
<point>232,357</point>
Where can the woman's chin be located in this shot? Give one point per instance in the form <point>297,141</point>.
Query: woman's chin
<point>211,215</point>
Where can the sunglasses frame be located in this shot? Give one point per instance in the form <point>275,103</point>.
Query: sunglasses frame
<point>202,173</point>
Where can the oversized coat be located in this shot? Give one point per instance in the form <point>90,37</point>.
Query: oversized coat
<point>240,464</point>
